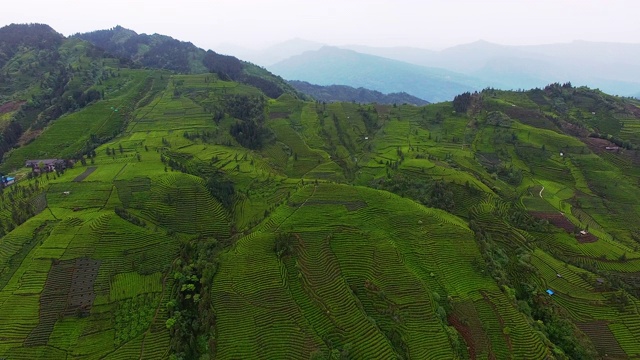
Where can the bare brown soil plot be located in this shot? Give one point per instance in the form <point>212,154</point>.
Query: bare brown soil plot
<point>81,293</point>
<point>53,302</point>
<point>561,221</point>
<point>556,219</point>
<point>465,332</point>
<point>586,238</point>
<point>68,291</point>
<point>603,339</point>
<point>10,106</point>
<point>466,320</point>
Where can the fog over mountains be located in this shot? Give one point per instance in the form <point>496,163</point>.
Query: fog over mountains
<point>612,67</point>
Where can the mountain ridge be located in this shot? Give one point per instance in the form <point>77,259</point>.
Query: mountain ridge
<point>333,93</point>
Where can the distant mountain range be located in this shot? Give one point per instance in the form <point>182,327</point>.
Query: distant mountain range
<point>333,93</point>
<point>336,66</point>
<point>273,54</point>
<point>608,66</point>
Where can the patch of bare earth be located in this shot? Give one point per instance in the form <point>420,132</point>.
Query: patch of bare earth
<point>602,339</point>
<point>559,220</point>
<point>28,136</point>
<point>10,106</point>
<point>465,332</point>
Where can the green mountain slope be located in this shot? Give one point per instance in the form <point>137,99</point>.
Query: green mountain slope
<point>45,76</point>
<point>221,223</point>
<point>163,52</point>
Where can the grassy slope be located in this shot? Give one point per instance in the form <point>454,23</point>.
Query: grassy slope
<point>369,270</point>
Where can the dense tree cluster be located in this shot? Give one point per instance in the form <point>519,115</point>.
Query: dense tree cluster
<point>191,314</point>
<point>462,102</point>
<point>125,215</point>
<point>10,135</point>
<point>284,244</point>
<point>221,188</point>
<point>268,87</point>
<point>370,121</point>
<point>250,134</point>
<point>430,193</point>
<point>225,66</point>
<point>163,52</point>
<point>38,36</point>
<point>246,107</point>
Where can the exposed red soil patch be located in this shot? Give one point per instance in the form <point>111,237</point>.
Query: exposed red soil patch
<point>500,319</point>
<point>555,218</point>
<point>573,129</point>
<point>10,106</point>
<point>530,117</point>
<point>586,238</point>
<point>466,334</point>
<point>599,146</point>
<point>28,136</point>
<point>634,110</point>
<point>561,221</point>
<point>382,109</point>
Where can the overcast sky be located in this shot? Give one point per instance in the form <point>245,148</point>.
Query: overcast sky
<point>260,23</point>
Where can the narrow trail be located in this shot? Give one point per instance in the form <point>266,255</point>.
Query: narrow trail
<point>541,192</point>
<point>296,210</point>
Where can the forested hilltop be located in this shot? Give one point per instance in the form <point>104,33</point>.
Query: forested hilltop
<point>184,215</point>
<point>333,93</point>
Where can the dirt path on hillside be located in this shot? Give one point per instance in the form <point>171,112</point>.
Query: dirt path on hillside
<point>296,210</point>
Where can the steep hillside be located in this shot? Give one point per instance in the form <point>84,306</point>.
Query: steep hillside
<point>335,93</point>
<point>163,52</point>
<point>334,66</point>
<point>43,76</point>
